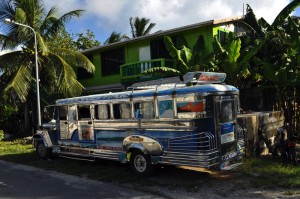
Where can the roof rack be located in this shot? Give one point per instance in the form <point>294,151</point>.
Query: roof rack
<point>190,78</point>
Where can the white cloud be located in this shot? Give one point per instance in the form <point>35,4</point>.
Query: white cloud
<point>268,9</point>
<point>105,16</point>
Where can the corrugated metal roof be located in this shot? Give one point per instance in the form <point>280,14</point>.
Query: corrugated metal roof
<point>166,32</point>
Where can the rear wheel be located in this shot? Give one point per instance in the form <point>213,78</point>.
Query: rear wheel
<point>43,152</point>
<point>141,163</point>
<point>293,156</point>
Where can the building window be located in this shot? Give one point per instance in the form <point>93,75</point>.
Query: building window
<point>222,36</point>
<point>158,50</point>
<point>111,61</point>
<point>83,73</point>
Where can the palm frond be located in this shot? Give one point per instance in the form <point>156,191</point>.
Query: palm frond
<point>48,20</point>
<point>66,78</point>
<point>74,58</point>
<point>132,27</point>
<point>53,24</point>
<point>149,28</point>
<point>138,26</point>
<point>115,37</point>
<point>9,62</point>
<point>20,84</point>
<point>6,11</point>
<point>41,44</point>
<point>161,71</point>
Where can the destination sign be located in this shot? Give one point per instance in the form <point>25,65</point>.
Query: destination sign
<point>212,77</point>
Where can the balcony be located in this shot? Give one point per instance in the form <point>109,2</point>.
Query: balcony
<point>132,72</point>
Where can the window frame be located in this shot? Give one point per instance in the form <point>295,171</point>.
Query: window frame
<point>111,61</point>
<point>120,103</point>
<point>79,109</point>
<point>97,111</point>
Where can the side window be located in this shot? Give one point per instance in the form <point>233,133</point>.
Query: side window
<point>63,112</point>
<point>190,106</point>
<point>84,112</point>
<point>121,111</point>
<point>165,109</point>
<point>144,110</point>
<point>102,111</point>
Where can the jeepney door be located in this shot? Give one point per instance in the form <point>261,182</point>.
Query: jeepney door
<point>86,122</point>
<point>67,121</point>
<point>226,113</point>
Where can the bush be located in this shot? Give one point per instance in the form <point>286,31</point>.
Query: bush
<point>9,118</point>
<point>1,135</point>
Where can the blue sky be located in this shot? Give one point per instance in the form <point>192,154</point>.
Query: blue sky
<point>105,16</point>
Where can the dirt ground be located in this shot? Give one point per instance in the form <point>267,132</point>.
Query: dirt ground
<point>190,183</point>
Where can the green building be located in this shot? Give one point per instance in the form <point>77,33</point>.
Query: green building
<point>120,64</point>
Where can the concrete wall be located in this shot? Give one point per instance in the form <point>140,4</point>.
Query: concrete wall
<point>267,121</point>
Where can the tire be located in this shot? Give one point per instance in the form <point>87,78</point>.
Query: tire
<point>141,163</point>
<point>293,157</point>
<point>43,152</point>
<point>279,152</point>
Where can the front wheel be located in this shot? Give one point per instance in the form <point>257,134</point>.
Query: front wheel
<point>43,152</point>
<point>141,163</point>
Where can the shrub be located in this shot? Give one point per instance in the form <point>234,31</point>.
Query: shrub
<point>1,135</point>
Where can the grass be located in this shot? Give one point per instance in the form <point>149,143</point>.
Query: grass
<point>262,173</point>
<point>269,173</point>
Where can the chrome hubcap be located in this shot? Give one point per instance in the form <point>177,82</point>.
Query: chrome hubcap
<point>140,163</point>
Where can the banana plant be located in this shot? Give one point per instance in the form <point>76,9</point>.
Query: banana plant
<point>231,59</point>
<point>185,58</point>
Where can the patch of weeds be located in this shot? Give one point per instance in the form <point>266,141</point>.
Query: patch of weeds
<point>289,193</point>
<point>1,135</point>
<point>267,173</point>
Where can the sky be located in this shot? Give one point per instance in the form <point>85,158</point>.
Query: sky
<point>103,17</point>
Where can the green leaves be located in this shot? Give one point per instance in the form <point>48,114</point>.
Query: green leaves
<point>56,63</point>
<point>139,26</point>
<point>115,37</point>
<point>162,70</point>
<point>74,58</point>
<point>285,12</point>
<point>234,51</point>
<point>20,83</point>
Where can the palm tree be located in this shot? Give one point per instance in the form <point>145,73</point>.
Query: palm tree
<point>116,37</point>
<point>56,64</point>
<point>139,26</point>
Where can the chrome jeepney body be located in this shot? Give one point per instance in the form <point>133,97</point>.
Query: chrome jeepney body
<point>188,125</point>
